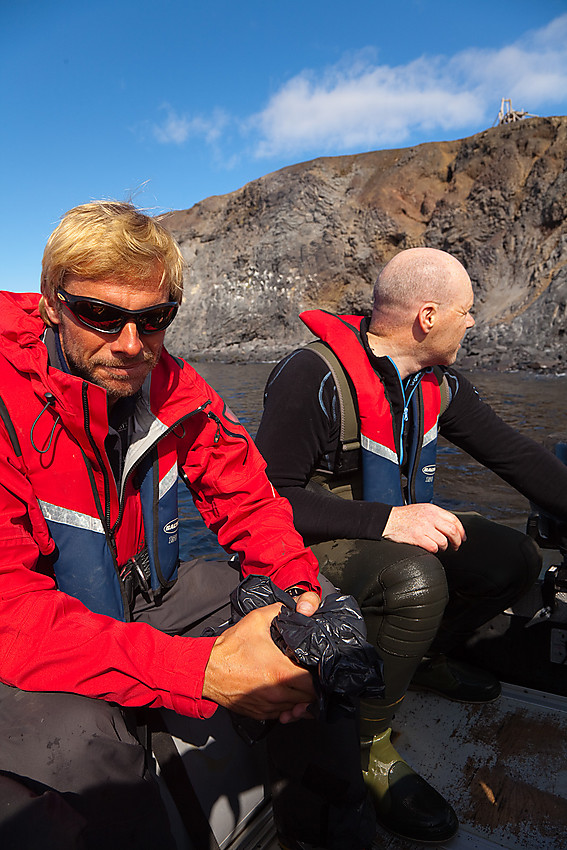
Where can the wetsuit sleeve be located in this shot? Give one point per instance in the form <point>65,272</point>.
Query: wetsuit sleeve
<point>299,433</point>
<point>472,425</point>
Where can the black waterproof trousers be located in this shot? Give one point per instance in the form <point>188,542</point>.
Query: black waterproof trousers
<point>416,603</point>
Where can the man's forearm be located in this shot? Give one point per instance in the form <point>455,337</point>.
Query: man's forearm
<point>319,515</point>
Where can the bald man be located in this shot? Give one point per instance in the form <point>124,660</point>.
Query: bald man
<point>425,578</point>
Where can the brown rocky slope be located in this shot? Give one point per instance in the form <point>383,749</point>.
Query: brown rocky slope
<point>316,234</point>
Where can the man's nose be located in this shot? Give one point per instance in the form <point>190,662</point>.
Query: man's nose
<point>128,340</point>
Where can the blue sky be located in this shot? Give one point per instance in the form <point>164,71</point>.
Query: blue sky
<point>169,102</point>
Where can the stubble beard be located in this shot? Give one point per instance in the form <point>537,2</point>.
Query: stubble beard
<point>120,386</point>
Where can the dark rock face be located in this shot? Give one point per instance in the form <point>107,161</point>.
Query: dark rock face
<point>316,234</point>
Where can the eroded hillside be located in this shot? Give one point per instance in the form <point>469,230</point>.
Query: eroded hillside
<point>317,233</point>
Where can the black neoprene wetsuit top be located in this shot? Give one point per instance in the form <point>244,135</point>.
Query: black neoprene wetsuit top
<point>300,428</point>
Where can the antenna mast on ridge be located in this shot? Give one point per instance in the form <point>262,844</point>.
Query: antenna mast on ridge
<point>507,115</point>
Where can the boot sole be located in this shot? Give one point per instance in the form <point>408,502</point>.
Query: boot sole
<point>429,841</point>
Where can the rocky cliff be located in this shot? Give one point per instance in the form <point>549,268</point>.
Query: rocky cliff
<point>317,233</point>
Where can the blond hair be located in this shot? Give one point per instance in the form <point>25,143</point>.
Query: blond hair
<point>110,238</point>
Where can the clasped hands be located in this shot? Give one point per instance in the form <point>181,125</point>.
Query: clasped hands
<point>250,675</point>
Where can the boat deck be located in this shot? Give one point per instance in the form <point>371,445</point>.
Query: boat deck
<point>503,767</point>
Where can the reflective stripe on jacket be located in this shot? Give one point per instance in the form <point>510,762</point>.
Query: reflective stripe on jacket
<point>382,449</point>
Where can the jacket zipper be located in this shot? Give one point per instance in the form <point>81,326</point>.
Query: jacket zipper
<point>105,516</point>
<point>220,425</point>
<point>413,471</point>
<point>405,417</point>
<point>200,409</point>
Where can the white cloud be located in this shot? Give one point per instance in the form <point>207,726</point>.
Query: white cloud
<point>533,69</point>
<point>379,105</point>
<point>359,104</point>
<point>176,129</point>
<point>374,105</point>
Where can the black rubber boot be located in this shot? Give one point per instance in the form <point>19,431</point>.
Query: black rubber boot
<point>404,802</point>
<point>456,680</point>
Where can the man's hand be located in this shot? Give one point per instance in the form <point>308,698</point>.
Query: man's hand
<point>247,673</point>
<point>424,525</point>
<point>307,603</point>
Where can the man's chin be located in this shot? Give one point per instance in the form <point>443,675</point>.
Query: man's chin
<point>120,383</point>
<point>121,389</point>
<point>453,357</point>
<point>114,392</point>
<point>118,387</point>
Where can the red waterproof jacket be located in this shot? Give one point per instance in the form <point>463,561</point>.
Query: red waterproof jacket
<point>67,530</point>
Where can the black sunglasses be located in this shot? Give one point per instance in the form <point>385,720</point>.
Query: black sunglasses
<point>109,319</point>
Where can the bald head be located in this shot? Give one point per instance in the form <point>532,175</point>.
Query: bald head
<point>411,278</point>
<point>422,309</point>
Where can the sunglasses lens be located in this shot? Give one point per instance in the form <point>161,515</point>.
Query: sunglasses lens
<point>98,316</point>
<point>156,320</point>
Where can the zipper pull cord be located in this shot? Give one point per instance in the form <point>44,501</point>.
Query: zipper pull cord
<point>220,426</point>
<point>49,401</point>
<point>215,418</point>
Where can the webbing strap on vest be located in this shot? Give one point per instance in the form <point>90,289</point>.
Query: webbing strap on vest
<point>444,389</point>
<point>350,429</point>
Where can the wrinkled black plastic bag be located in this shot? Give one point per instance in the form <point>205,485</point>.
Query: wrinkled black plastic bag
<point>331,644</point>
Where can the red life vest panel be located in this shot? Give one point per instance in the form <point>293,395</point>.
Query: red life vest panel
<point>382,449</point>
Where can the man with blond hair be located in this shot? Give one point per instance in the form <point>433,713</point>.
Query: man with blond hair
<point>424,577</point>
<point>98,617</point>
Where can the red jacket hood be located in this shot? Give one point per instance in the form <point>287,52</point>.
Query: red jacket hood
<point>21,327</point>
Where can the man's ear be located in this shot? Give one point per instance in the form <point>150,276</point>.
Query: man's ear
<point>48,311</point>
<point>427,316</point>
